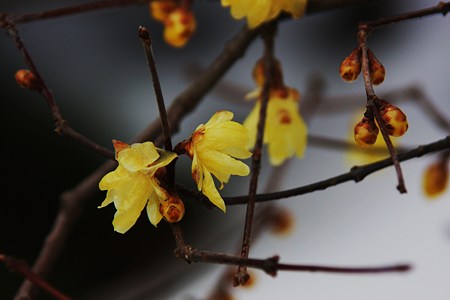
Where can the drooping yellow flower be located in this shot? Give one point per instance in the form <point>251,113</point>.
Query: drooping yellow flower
<point>213,148</point>
<point>285,131</point>
<point>133,185</point>
<point>260,11</point>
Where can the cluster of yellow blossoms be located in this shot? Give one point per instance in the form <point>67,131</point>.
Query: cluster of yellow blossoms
<point>139,180</point>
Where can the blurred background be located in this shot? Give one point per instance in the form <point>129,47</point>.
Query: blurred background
<point>95,65</point>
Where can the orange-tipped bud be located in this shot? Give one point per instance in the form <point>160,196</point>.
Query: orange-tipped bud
<point>435,179</point>
<point>179,27</point>
<point>351,66</point>
<point>366,132</point>
<point>27,79</point>
<point>394,119</point>
<point>172,210</point>
<point>160,10</point>
<point>376,69</point>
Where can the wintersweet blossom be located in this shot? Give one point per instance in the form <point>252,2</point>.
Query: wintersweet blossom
<point>213,148</point>
<point>285,131</point>
<point>260,11</point>
<point>133,184</point>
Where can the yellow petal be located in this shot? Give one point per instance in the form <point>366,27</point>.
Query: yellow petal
<point>138,156</point>
<point>219,117</point>
<point>197,171</point>
<point>153,210</point>
<point>210,191</point>
<point>165,158</point>
<point>220,162</point>
<point>130,198</point>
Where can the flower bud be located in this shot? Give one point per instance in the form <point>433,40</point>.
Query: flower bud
<point>179,27</point>
<point>282,221</point>
<point>160,10</point>
<point>435,179</point>
<point>376,69</point>
<point>366,132</point>
<point>394,119</point>
<point>259,74</point>
<point>351,66</point>
<point>27,79</point>
<point>172,210</point>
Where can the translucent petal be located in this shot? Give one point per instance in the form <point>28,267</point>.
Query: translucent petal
<point>111,179</point>
<point>165,158</point>
<point>222,163</point>
<point>225,135</point>
<point>153,210</point>
<point>219,117</point>
<point>210,191</point>
<point>197,171</point>
<point>130,200</point>
<point>237,152</point>
<point>138,156</point>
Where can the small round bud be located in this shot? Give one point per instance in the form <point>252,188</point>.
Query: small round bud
<point>258,72</point>
<point>376,69</point>
<point>435,179</point>
<point>160,10</point>
<point>172,210</point>
<point>351,66</point>
<point>282,221</point>
<point>179,27</point>
<point>394,119</point>
<point>27,79</point>
<point>366,132</point>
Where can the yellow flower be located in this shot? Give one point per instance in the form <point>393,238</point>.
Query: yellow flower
<point>285,131</point>
<point>259,11</point>
<point>213,148</point>
<point>160,10</point>
<point>179,27</point>
<point>133,184</point>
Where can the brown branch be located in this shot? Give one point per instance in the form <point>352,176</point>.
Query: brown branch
<point>242,276</point>
<point>271,265</point>
<point>372,100</point>
<point>62,127</point>
<point>147,43</point>
<point>72,10</point>
<point>72,202</point>
<point>357,174</point>
<point>21,267</point>
<point>441,8</point>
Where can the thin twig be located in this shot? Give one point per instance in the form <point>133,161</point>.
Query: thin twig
<point>147,43</point>
<point>72,10</point>
<point>357,174</point>
<point>242,276</point>
<point>372,101</point>
<point>21,267</point>
<point>441,8</point>
<point>271,265</point>
<point>62,126</point>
